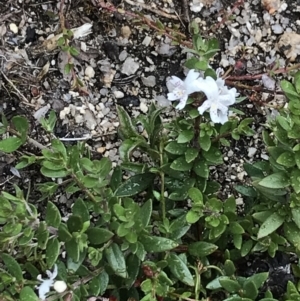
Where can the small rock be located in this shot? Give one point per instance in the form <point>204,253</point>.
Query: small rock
<point>130,66</point>
<point>101,149</point>
<point>147,40</point>
<point>89,72</point>
<point>251,151</point>
<point>149,81</point>
<point>14,28</point>
<point>90,120</point>
<point>143,107</point>
<point>118,94</point>
<point>111,50</point>
<point>129,100</point>
<point>162,101</point>
<point>123,55</point>
<point>125,32</point>
<point>289,44</point>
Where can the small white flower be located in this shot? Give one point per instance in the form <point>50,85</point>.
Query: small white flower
<point>180,90</point>
<point>60,286</point>
<point>46,284</point>
<point>219,98</point>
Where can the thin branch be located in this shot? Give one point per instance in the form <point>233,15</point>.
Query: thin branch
<point>16,89</point>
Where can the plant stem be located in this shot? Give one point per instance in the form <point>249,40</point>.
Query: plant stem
<point>162,178</point>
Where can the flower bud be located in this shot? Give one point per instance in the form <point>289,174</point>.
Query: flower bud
<point>60,286</point>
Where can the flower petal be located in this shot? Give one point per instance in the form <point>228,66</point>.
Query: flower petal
<point>206,105</point>
<point>44,288</point>
<point>226,100</point>
<point>182,103</point>
<point>172,96</point>
<point>209,87</point>
<point>191,76</point>
<point>174,82</point>
<point>192,87</point>
<point>54,273</point>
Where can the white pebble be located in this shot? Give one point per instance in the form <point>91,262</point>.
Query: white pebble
<point>60,286</point>
<point>143,107</point>
<point>89,72</point>
<point>14,28</point>
<point>118,94</point>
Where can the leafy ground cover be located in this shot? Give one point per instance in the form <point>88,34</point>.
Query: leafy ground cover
<point>119,152</point>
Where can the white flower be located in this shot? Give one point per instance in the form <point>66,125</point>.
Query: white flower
<point>180,90</point>
<point>60,286</point>
<point>219,98</point>
<point>46,284</point>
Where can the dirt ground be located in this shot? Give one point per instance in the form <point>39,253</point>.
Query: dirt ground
<point>125,58</point>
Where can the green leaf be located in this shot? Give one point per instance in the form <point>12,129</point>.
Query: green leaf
<point>21,124</point>
<point>245,190</point>
<point>72,249</point>
<point>116,260</point>
<point>185,136</point>
<point>297,81</point>
<point>258,279</point>
<point>286,159</point>
<point>201,169</point>
<point>180,270</point>
<point>63,233</point>
<point>145,213</point>
<point>296,216</point>
<point>126,129</point>
<point>94,286</point>
<point>214,156</point>
<point>229,268</point>
<point>104,279</point>
<point>196,195</point>
<point>42,235</point>
<point>276,180</point>
<point>116,178</point>
<point>250,290</point>
<point>81,210</point>
<point>289,90</point>
<point>129,145</point>
<point>295,180</point>
<point>72,264</point>
<point>246,248</point>
<point>231,286</point>
<point>135,184</point>
<point>157,244</point>
<point>215,284</point>
<point>74,223</point>
<point>53,217</point>
<point>10,144</point>
<point>54,173</point>
<point>52,251</point>
<point>180,164</point>
<point>98,236</point>
<point>58,146</point>
<point>235,228</point>
<point>201,248</point>
<point>176,148</point>
<point>12,266</point>
<point>205,142</point>
<point>272,223</point>
<point>73,51</point>
<point>191,154</point>
<point>237,241</point>
<point>193,216</point>
<point>133,268</point>
<point>28,294</point>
